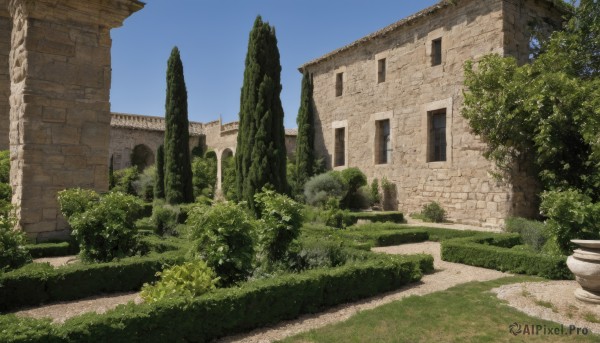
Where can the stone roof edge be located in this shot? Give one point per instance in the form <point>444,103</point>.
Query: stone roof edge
<point>401,23</point>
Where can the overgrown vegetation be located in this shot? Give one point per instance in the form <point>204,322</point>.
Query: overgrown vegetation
<point>13,253</point>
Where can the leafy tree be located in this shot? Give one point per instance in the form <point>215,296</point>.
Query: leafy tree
<point>178,170</point>
<point>205,176</point>
<point>159,185</point>
<point>305,156</point>
<point>261,155</point>
<point>544,115</point>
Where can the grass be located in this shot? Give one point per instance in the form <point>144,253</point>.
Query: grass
<point>590,317</point>
<point>465,313</point>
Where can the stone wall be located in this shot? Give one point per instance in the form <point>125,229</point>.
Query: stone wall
<point>413,88</point>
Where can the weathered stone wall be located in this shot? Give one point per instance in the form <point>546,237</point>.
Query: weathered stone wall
<point>413,87</point>
<point>5,36</point>
<point>60,71</point>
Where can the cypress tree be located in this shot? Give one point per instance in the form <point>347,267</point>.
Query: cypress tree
<point>261,155</point>
<point>178,170</point>
<point>305,143</point>
<point>111,173</point>
<point>159,181</point>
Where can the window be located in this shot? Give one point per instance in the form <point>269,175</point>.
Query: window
<point>437,136</point>
<point>383,142</point>
<point>339,158</point>
<point>436,52</point>
<point>339,84</point>
<point>381,66</point>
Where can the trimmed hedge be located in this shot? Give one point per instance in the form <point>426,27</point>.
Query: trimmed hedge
<point>383,238</point>
<point>493,251</point>
<point>52,249</point>
<point>38,283</point>
<point>377,217</point>
<point>230,310</point>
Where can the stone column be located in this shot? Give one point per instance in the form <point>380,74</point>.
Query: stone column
<point>60,71</point>
<point>5,33</point>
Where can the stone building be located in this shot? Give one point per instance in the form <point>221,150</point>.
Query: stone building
<point>129,132</point>
<point>390,104</point>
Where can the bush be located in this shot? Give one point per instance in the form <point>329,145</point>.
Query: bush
<point>223,237</point>
<point>571,215</point>
<point>38,283</point>
<point>165,217</point>
<point>124,180</point>
<point>52,249</point>
<point>75,201</point>
<point>319,189</point>
<point>433,213</point>
<point>188,280</point>
<point>375,196</point>
<point>107,230</point>
<point>228,311</point>
<point>144,185</point>
<point>533,233</point>
<point>228,185</point>
<point>353,179</point>
<point>333,216</point>
<point>13,252</point>
<point>204,178</point>
<point>494,252</point>
<point>279,226</point>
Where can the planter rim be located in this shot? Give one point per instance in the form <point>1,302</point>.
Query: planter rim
<point>587,243</point>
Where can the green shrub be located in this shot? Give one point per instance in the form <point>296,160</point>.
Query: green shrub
<point>433,213</point>
<point>571,215</point>
<point>204,171</point>
<point>279,225</point>
<point>124,180</point>
<point>319,189</point>
<point>228,311</point>
<point>38,283</point>
<point>494,251</point>
<point>223,237</point>
<point>333,216</point>
<point>75,201</point>
<point>165,217</point>
<point>353,180</point>
<point>228,185</point>
<point>382,238</point>
<point>144,185</point>
<point>13,252</point>
<point>375,196</point>
<point>533,233</point>
<point>107,229</point>
<point>188,280</point>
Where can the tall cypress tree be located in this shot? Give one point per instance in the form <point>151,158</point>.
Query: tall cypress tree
<point>159,182</point>
<point>261,155</point>
<point>178,170</point>
<point>305,143</point>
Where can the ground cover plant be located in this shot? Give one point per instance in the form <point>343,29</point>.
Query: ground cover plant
<point>464,313</point>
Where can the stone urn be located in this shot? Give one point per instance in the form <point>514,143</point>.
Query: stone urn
<point>585,264</point>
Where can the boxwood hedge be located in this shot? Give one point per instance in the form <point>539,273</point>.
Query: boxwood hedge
<point>395,217</point>
<point>493,251</point>
<point>227,311</point>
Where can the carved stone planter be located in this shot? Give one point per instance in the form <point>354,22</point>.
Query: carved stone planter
<point>585,264</point>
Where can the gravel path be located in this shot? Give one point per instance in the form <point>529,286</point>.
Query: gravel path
<point>553,301</point>
<point>446,275</point>
<point>57,261</point>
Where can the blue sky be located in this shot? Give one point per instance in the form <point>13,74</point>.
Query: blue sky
<point>213,37</point>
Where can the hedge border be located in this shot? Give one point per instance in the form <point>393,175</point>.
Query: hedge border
<point>387,238</point>
<point>377,217</point>
<point>228,311</point>
<point>36,284</point>
<point>52,249</point>
<point>493,251</point>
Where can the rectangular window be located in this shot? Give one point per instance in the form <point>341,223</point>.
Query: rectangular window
<point>436,52</point>
<point>381,66</point>
<point>339,84</point>
<point>339,158</point>
<point>437,136</point>
<point>383,142</point>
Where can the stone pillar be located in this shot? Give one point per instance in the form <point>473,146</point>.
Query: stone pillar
<point>5,33</point>
<point>60,71</point>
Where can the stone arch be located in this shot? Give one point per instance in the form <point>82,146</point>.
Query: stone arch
<point>221,157</point>
<point>142,157</point>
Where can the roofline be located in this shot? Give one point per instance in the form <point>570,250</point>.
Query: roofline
<point>560,4</point>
